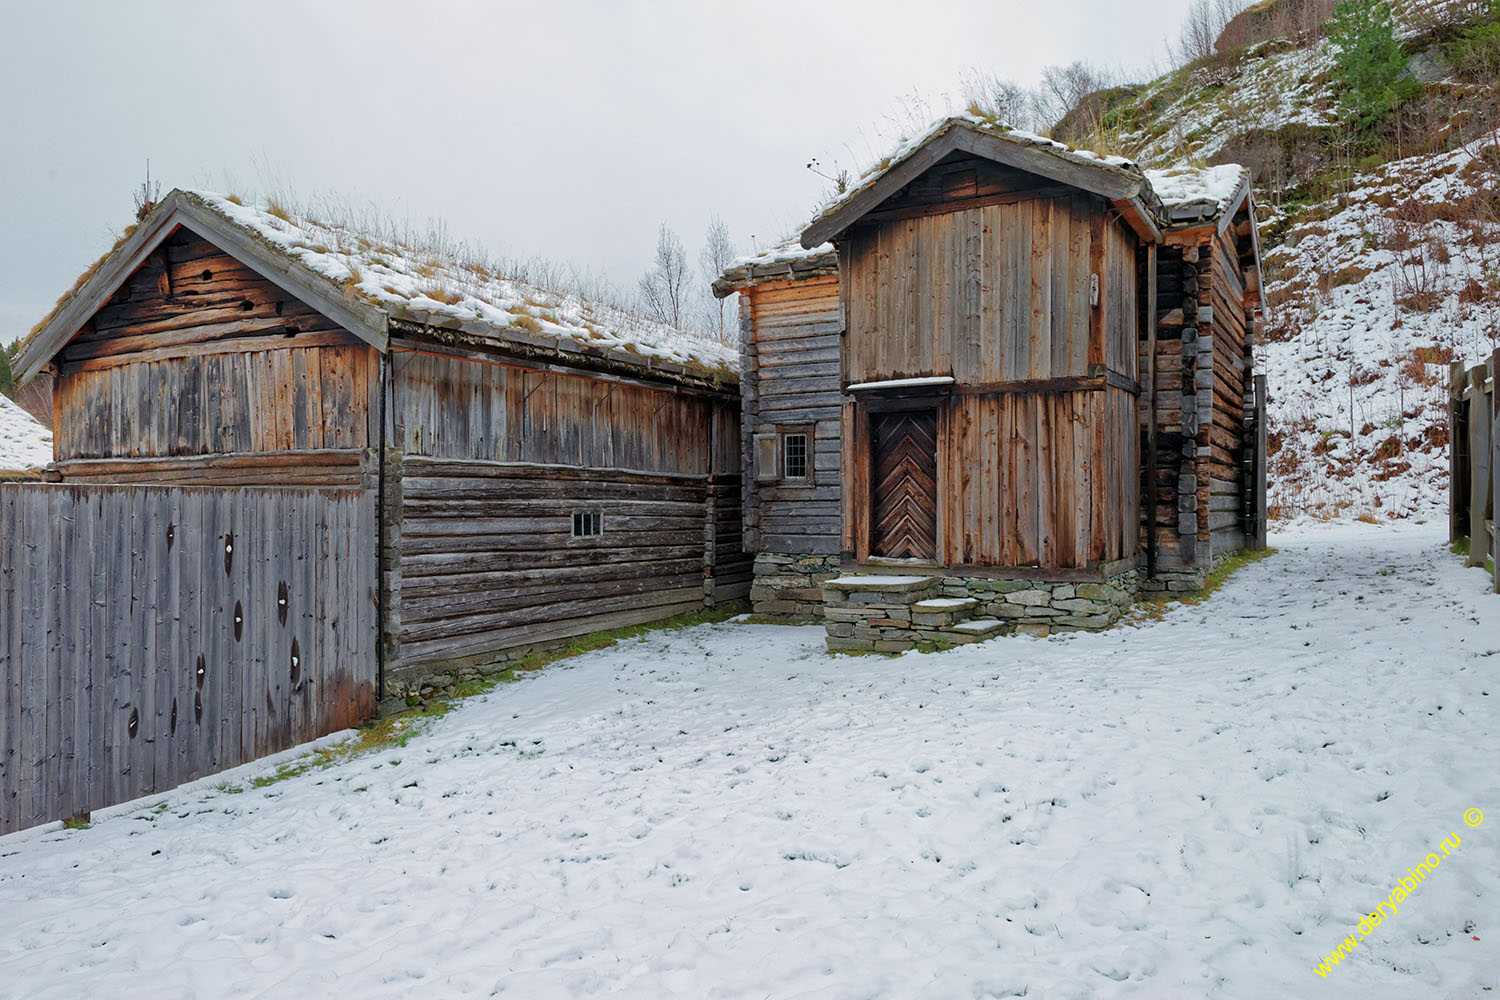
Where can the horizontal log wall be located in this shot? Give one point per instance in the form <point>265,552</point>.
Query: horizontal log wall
<point>488,561</point>
<point>994,293</point>
<point>156,635</point>
<point>1230,365</point>
<point>792,335</point>
<point>493,461</point>
<point>1204,497</point>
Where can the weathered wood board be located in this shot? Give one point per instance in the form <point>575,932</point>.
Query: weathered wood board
<point>153,635</point>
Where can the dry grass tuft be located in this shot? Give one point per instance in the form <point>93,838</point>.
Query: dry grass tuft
<point>444,294</point>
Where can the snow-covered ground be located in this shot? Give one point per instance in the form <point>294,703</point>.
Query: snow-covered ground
<point>24,443</point>
<point>1201,806</point>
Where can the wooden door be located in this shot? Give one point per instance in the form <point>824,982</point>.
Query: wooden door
<point>903,522</point>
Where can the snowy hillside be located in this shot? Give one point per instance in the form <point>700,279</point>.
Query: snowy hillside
<point>1367,308</point>
<point>1382,262</point>
<point>24,443</point>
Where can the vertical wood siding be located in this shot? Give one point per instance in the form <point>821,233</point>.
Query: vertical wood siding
<point>990,294</point>
<point>792,332</point>
<point>156,635</point>
<point>1040,479</point>
<point>267,398</point>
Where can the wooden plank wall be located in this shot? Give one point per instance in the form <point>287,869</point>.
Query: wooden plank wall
<point>496,461</point>
<point>1040,479</point>
<point>792,335</point>
<point>198,355</point>
<point>154,635</point>
<point>990,294</point>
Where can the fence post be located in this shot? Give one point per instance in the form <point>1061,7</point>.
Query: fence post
<point>1259,542</point>
<point>1495,465</point>
<point>1457,491</point>
<point>1480,426</point>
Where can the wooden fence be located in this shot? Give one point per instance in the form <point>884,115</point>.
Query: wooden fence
<point>1474,457</point>
<point>153,635</point>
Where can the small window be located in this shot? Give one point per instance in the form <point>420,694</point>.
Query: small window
<point>587,524</point>
<point>794,456</point>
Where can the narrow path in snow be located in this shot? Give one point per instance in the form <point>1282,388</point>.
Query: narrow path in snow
<point>1201,806</point>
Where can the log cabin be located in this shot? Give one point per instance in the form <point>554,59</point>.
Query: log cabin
<point>1035,367</point>
<point>539,466</point>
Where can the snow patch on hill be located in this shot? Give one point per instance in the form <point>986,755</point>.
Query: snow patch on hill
<point>1368,305</point>
<point>24,443</point>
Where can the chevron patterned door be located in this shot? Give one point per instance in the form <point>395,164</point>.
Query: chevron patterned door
<point>903,524</point>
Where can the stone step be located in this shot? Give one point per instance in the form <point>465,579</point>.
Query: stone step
<point>942,612</point>
<point>883,584</point>
<point>946,604</point>
<point>983,628</point>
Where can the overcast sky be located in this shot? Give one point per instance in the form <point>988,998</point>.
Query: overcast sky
<point>566,130</point>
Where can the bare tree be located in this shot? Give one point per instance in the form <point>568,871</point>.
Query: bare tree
<point>1205,24</point>
<point>991,96</point>
<point>717,254</point>
<point>664,286</point>
<point>1198,34</point>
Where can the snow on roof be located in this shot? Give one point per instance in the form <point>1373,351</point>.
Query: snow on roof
<point>787,259</point>
<point>1201,192</point>
<point>785,252</point>
<point>1020,137</point>
<point>1186,193</point>
<point>443,289</point>
<point>903,383</point>
<point>24,442</point>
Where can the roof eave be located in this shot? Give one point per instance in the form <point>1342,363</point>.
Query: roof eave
<point>752,273</point>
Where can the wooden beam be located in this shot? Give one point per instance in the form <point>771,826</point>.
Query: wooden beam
<point>1259,543</point>
<point>1480,428</point>
<point>237,345</point>
<point>1031,386</point>
<point>1148,497</point>
<point>1457,495</point>
<point>1495,465</point>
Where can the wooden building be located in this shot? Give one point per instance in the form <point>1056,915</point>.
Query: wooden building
<point>1040,361</point>
<point>538,467</point>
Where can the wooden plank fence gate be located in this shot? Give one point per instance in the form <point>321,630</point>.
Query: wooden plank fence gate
<point>153,635</point>
<point>1474,461</point>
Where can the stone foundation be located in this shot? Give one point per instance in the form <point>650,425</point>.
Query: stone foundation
<point>790,586</point>
<point>1035,607</point>
<point>893,614</point>
<point>1175,581</point>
